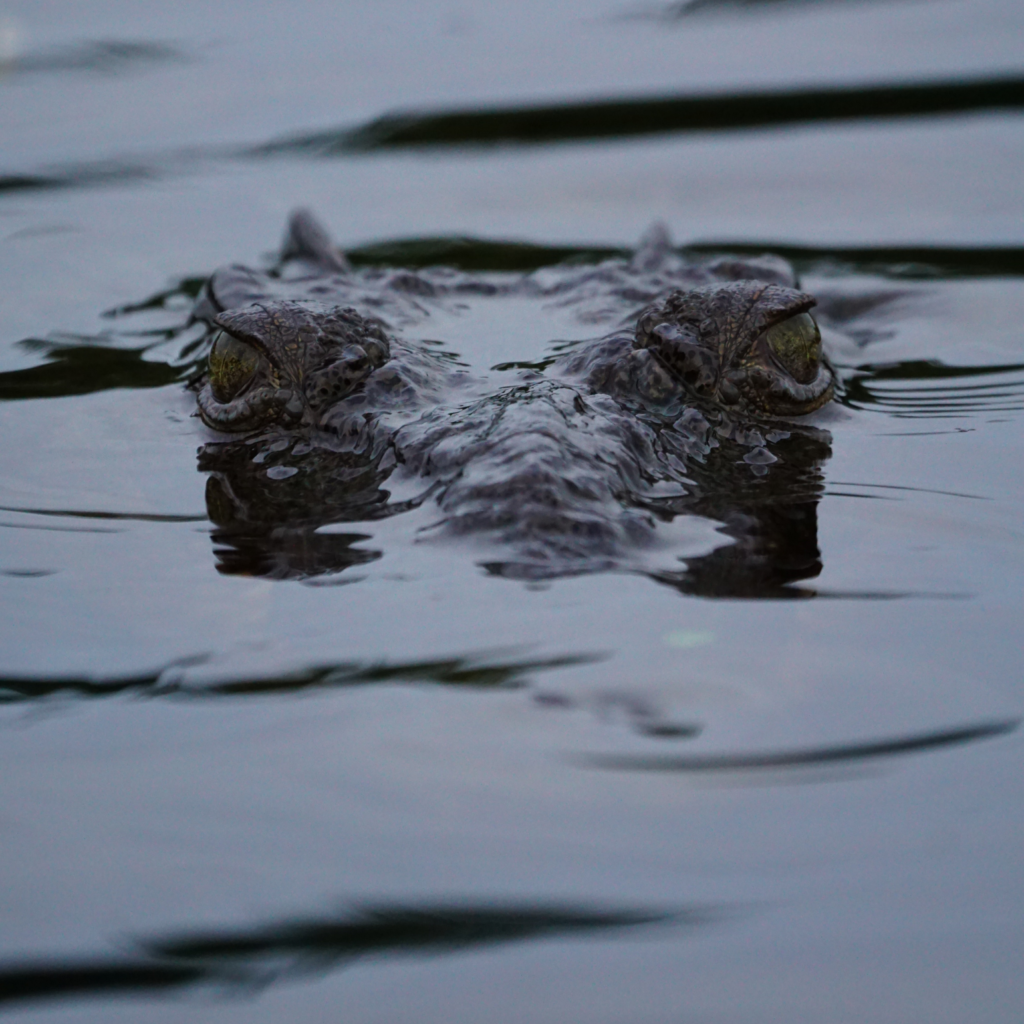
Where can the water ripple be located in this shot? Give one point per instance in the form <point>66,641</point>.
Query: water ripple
<point>247,960</point>
<point>931,389</point>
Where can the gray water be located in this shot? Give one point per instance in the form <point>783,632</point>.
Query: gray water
<point>410,790</point>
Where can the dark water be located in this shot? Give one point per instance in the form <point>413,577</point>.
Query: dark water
<point>404,789</point>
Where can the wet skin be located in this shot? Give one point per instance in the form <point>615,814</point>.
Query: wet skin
<point>566,470</point>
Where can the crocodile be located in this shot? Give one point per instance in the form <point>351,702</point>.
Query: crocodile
<point>694,403</point>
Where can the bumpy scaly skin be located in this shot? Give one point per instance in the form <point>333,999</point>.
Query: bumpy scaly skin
<point>712,339</point>
<point>571,468</point>
<point>706,343</point>
<point>311,356</point>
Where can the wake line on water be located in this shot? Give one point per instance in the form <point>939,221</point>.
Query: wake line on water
<point>801,758</point>
<point>570,121</point>
<point>666,114</point>
<point>247,960</point>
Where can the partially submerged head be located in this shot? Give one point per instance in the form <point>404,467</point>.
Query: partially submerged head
<point>286,363</point>
<point>745,343</point>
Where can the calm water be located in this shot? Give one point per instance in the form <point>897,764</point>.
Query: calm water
<point>410,790</point>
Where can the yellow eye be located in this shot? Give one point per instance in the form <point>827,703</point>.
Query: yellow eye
<point>796,343</point>
<point>232,366</point>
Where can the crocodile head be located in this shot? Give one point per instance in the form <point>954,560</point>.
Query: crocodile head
<point>746,344</point>
<point>286,363</point>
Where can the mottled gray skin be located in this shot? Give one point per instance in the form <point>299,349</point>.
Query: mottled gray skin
<point>310,357</point>
<point>707,345</point>
<point>566,471</point>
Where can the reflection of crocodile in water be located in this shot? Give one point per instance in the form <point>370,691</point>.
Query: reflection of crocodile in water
<point>684,407</point>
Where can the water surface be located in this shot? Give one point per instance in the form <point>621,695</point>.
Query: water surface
<point>408,789</point>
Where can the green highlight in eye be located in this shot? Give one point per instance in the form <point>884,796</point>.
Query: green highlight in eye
<point>796,343</point>
<point>232,365</point>
<point>689,638</point>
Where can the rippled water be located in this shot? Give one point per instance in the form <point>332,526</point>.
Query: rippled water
<point>402,788</point>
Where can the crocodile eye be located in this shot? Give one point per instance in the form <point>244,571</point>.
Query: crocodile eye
<point>796,343</point>
<point>233,364</point>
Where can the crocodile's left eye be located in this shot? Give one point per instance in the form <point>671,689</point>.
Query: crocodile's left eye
<point>233,364</point>
<point>796,343</point>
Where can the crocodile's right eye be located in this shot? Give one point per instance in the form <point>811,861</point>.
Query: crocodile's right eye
<point>233,364</point>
